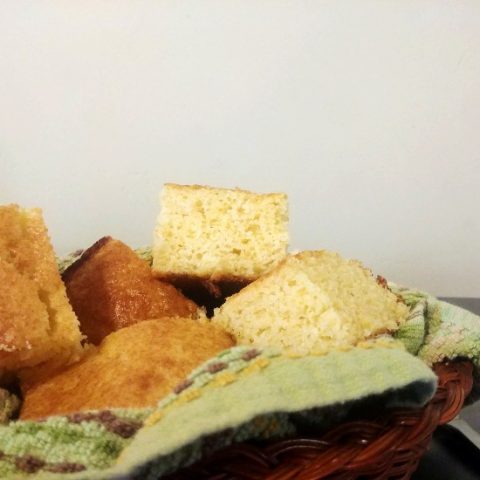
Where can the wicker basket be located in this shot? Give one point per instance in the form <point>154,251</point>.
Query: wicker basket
<point>389,446</point>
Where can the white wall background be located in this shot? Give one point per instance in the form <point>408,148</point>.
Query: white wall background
<point>366,113</point>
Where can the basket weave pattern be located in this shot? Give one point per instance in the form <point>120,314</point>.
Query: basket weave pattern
<point>388,447</point>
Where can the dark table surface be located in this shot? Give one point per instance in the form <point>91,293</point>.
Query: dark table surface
<point>450,456</point>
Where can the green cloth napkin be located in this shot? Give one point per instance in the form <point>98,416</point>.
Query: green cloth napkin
<point>436,331</point>
<point>242,394</point>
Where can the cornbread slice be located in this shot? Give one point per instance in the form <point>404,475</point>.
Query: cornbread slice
<point>110,288</point>
<point>314,301</point>
<point>37,323</point>
<point>218,234</point>
<point>133,367</point>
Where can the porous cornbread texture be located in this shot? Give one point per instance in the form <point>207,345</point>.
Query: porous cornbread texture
<point>37,323</point>
<point>219,234</point>
<point>133,367</point>
<point>314,301</point>
<point>110,288</point>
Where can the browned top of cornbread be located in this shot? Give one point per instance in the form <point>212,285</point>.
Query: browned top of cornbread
<point>110,287</point>
<point>133,367</point>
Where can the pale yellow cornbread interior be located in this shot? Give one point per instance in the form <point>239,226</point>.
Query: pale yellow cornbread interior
<point>313,301</point>
<point>219,233</point>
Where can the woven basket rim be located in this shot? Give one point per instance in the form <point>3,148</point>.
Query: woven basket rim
<point>388,447</point>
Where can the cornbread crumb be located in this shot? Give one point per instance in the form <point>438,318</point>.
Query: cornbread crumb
<point>37,321</point>
<point>219,234</point>
<point>313,301</point>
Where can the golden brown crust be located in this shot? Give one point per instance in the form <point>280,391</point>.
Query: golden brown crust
<point>86,255</point>
<point>223,189</point>
<point>110,288</point>
<point>37,321</point>
<point>133,367</point>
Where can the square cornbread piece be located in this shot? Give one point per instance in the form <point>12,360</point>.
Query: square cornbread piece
<point>219,234</point>
<point>312,302</point>
<point>110,288</point>
<point>133,367</point>
<point>37,323</point>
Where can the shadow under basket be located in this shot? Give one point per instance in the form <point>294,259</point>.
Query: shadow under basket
<point>388,447</point>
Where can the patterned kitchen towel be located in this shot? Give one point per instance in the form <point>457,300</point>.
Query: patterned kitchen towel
<point>436,331</point>
<point>243,393</point>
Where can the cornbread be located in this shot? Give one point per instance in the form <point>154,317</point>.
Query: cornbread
<point>133,367</point>
<point>110,288</point>
<point>218,234</point>
<point>37,322</point>
<point>314,301</point>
